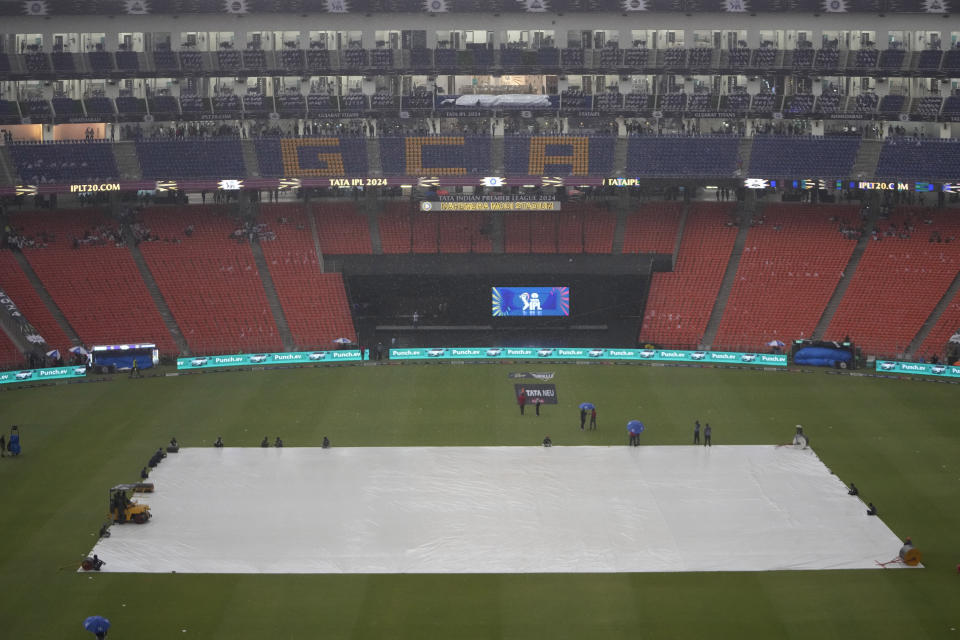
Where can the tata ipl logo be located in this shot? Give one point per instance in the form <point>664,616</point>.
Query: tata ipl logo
<point>531,302</point>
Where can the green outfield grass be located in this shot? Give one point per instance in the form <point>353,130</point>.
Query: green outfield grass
<point>897,440</point>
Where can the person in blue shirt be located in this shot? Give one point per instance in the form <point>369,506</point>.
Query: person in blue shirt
<point>696,432</point>
<point>707,432</point>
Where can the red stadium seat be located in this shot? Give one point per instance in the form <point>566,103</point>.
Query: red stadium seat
<point>210,281</point>
<point>679,304</point>
<point>790,267</point>
<point>899,281</point>
<point>314,303</point>
<point>97,286</point>
<point>15,284</point>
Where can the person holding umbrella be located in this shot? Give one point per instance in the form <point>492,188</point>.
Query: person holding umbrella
<point>97,625</point>
<point>584,407</point>
<point>634,428</point>
<point>13,444</point>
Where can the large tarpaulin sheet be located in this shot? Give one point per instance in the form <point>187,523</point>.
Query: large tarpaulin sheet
<point>497,510</point>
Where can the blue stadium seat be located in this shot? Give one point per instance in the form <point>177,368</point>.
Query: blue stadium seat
<point>85,162</point>
<point>808,156</point>
<point>182,159</point>
<point>300,157</point>
<point>435,155</point>
<point>915,159</point>
<point>682,155</point>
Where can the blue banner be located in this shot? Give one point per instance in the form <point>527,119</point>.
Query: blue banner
<point>35,375</point>
<point>564,353</point>
<point>268,359</point>
<point>919,368</point>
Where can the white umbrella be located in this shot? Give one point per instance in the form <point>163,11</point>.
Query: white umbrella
<point>343,341</point>
<point>775,343</point>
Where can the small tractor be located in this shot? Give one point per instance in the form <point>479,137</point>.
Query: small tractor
<point>123,509</point>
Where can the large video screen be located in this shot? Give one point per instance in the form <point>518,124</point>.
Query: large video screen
<point>531,301</point>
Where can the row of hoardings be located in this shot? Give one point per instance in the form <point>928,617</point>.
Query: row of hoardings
<point>50,373</point>
<point>547,353</point>
<point>267,359</point>
<point>919,368</point>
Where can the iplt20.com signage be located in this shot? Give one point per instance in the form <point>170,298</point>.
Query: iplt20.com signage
<point>268,359</point>
<point>919,368</point>
<point>563,353</point>
<point>36,375</point>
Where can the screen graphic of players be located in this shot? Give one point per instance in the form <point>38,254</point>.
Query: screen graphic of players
<point>531,301</point>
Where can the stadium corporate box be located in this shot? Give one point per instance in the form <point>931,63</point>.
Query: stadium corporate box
<point>919,368</point>
<point>561,353</point>
<point>34,375</point>
<point>268,359</point>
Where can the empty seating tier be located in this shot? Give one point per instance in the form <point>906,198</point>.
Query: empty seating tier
<point>91,276</point>
<point>792,261</point>
<point>184,159</point>
<point>813,157</point>
<point>435,155</point>
<point>88,162</point>
<point>342,229</point>
<point>558,155</point>
<point>902,276</point>
<point>682,155</point>
<point>679,304</point>
<point>915,159</point>
<point>209,280</point>
<point>15,284</point>
<point>314,303</point>
<point>312,157</point>
<point>652,228</point>
<point>947,325</point>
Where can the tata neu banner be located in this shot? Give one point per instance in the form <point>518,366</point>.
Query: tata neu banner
<point>537,393</point>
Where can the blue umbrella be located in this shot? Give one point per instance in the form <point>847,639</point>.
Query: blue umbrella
<point>587,406</point>
<point>96,624</point>
<point>635,427</point>
<point>343,341</point>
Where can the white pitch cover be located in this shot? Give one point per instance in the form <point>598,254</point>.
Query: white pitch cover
<point>497,510</point>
